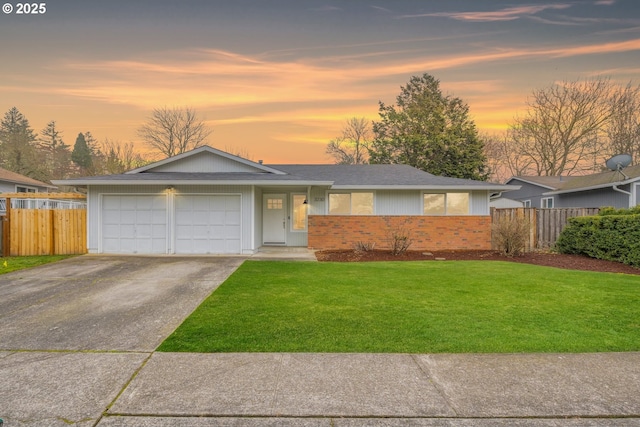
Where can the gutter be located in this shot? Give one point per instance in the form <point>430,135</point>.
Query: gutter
<point>619,190</point>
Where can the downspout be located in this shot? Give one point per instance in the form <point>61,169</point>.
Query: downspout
<point>615,188</point>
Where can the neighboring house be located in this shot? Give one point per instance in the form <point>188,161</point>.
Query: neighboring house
<point>503,202</point>
<point>619,189</point>
<point>208,201</point>
<point>11,182</point>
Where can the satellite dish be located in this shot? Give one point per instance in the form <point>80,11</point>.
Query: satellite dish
<point>619,162</point>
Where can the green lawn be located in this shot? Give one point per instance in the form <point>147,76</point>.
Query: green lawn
<point>414,307</point>
<point>10,264</point>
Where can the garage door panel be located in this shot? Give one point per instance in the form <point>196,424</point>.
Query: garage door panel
<point>134,224</point>
<point>231,218</point>
<point>217,217</point>
<point>203,221</point>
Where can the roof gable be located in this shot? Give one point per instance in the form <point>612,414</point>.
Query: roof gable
<point>205,159</point>
<point>548,182</point>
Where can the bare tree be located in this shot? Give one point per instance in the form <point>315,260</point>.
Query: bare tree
<point>352,148</point>
<point>118,158</point>
<point>561,131</point>
<point>504,158</point>
<point>172,131</point>
<point>238,152</point>
<point>623,129</point>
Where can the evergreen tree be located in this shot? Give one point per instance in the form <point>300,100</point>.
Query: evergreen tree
<point>429,131</point>
<point>81,154</point>
<point>56,152</point>
<point>18,150</point>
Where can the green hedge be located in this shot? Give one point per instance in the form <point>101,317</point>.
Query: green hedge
<point>612,235</point>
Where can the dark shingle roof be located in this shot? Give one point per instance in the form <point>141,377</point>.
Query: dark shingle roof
<point>562,184</point>
<point>603,179</point>
<point>336,176</point>
<point>374,175</point>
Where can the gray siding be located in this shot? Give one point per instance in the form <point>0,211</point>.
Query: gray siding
<point>257,212</point>
<point>593,198</point>
<point>10,187</point>
<point>527,192</point>
<point>479,203</point>
<point>389,202</point>
<point>205,163</point>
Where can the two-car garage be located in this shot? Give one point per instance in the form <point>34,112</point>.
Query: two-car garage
<point>170,223</point>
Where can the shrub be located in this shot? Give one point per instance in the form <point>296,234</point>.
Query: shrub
<point>511,235</point>
<point>361,246</point>
<point>399,238</point>
<point>612,236</point>
<point>608,210</point>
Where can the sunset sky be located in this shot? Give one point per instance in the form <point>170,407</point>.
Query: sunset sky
<point>278,79</point>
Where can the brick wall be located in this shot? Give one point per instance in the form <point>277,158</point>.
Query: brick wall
<point>427,232</point>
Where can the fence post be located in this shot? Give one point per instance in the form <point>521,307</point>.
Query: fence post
<point>6,230</point>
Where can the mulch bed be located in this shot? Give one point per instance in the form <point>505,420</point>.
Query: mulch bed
<point>569,262</point>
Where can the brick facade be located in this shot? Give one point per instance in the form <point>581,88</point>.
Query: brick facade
<point>427,232</point>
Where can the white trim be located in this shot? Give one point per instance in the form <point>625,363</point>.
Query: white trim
<point>537,184</point>
<point>526,203</point>
<point>542,203</point>
<point>593,187</point>
<point>306,217</point>
<point>468,193</point>
<point>481,187</point>
<point>286,211</point>
<point>28,187</point>
<point>133,181</point>
<point>252,209</point>
<point>332,191</point>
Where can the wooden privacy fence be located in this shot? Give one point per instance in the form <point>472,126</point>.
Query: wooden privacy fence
<point>44,228</point>
<point>545,225</point>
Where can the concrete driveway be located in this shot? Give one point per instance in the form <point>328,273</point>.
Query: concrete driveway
<point>74,333</point>
<point>104,303</point>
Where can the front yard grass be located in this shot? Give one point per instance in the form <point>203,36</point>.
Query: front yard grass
<point>414,307</point>
<point>15,263</point>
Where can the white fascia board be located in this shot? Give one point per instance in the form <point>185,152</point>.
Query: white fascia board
<point>530,182</point>
<point>428,187</point>
<point>593,187</point>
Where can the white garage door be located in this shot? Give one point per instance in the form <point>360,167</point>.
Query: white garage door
<point>134,224</point>
<point>207,224</point>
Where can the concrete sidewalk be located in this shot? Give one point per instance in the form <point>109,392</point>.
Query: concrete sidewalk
<point>136,389</point>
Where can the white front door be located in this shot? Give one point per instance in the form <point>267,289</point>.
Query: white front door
<point>274,219</point>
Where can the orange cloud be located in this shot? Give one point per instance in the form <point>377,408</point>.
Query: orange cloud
<point>506,14</point>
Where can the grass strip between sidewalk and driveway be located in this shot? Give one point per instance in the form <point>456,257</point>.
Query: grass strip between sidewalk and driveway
<point>414,307</point>
<point>16,263</point>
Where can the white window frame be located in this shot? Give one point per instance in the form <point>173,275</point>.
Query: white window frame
<point>350,193</point>
<point>27,188</point>
<point>446,213</point>
<point>546,201</point>
<point>526,203</point>
<point>306,215</point>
